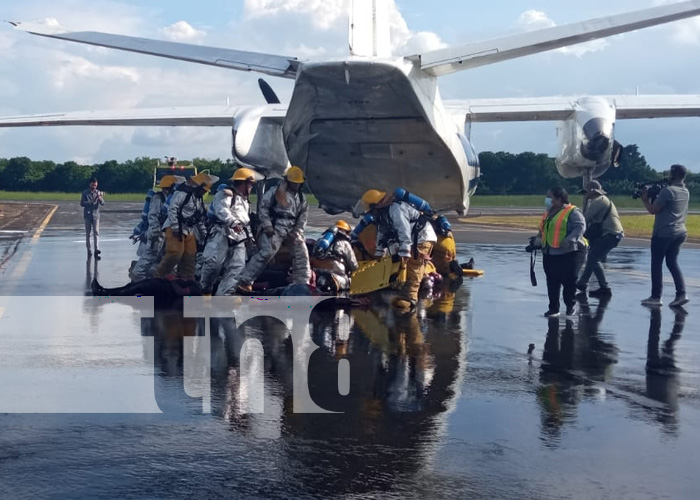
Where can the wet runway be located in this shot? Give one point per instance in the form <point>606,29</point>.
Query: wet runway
<point>96,402</point>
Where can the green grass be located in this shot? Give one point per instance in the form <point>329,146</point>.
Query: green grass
<point>38,196</point>
<point>537,201</point>
<point>634,225</point>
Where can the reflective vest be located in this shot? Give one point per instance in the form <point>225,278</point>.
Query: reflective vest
<point>554,230</point>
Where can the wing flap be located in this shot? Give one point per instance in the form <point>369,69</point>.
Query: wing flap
<point>226,58</point>
<point>450,60</point>
<point>560,108</point>
<point>195,116</point>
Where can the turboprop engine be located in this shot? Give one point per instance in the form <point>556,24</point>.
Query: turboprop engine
<point>587,147</point>
<point>258,142</point>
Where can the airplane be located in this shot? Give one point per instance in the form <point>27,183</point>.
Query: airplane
<point>374,120</point>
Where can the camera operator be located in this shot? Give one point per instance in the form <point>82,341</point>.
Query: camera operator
<point>604,232</point>
<point>670,210</point>
<point>563,249</point>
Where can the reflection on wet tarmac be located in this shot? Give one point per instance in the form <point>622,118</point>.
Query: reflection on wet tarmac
<point>403,379</point>
<point>450,403</point>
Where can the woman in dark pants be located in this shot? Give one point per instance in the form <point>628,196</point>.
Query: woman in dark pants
<point>563,249</point>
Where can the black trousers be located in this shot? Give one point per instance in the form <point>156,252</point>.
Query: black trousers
<point>562,271</point>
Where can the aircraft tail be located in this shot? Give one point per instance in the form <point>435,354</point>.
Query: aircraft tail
<point>369,28</point>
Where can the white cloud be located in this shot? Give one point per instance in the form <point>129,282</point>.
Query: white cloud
<point>532,20</point>
<point>71,68</point>
<point>324,14</point>
<point>422,41</point>
<point>182,31</point>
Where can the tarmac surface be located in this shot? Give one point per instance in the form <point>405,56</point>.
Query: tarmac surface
<point>98,403</point>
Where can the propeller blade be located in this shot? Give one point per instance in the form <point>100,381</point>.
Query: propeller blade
<point>267,92</point>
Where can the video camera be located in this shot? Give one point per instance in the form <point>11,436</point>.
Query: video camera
<point>653,189</point>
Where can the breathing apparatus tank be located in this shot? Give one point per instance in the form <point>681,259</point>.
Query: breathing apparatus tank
<point>364,222</point>
<point>143,223</point>
<point>211,216</point>
<point>442,225</point>
<point>325,241</point>
<point>416,202</point>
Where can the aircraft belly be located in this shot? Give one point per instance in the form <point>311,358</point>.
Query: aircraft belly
<point>350,156</point>
<point>356,126</point>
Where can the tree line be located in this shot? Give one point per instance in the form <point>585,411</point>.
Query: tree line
<point>501,173</point>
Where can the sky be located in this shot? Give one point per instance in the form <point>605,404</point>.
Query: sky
<point>42,75</point>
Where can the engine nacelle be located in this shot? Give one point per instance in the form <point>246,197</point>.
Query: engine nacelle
<point>258,142</point>
<point>586,140</point>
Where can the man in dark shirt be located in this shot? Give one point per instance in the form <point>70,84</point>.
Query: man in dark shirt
<point>91,201</point>
<point>670,210</point>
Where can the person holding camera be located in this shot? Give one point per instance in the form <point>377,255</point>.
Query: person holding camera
<point>670,209</point>
<point>563,249</point>
<point>91,200</point>
<point>603,232</point>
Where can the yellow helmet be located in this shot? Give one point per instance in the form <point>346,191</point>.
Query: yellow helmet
<point>204,180</point>
<point>343,226</point>
<point>243,174</point>
<point>372,197</point>
<point>295,175</point>
<point>167,181</point>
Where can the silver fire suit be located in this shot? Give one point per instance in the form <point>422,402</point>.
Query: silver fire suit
<point>340,260</point>
<point>226,242</point>
<point>286,213</point>
<point>153,248</point>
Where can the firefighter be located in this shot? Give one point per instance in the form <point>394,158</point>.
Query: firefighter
<point>229,218</point>
<point>151,254</point>
<point>333,258</point>
<point>283,212</point>
<point>406,231</point>
<point>186,214</point>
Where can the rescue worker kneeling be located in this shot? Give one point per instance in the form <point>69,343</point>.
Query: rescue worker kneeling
<point>186,215</point>
<point>229,216</point>
<point>334,259</point>
<point>399,224</point>
<point>283,212</point>
<point>151,255</point>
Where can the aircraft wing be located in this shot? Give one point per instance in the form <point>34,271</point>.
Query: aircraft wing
<point>561,108</point>
<point>269,64</point>
<point>450,60</point>
<point>200,116</point>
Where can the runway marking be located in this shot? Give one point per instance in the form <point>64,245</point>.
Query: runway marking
<point>11,231</point>
<point>27,256</point>
<point>43,225</point>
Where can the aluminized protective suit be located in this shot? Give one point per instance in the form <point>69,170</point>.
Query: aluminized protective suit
<point>340,260</point>
<point>285,212</point>
<point>225,248</point>
<point>150,257</point>
<point>412,235</point>
<point>186,214</point>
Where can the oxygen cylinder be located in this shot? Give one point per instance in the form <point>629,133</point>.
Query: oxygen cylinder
<point>416,202</point>
<point>325,241</point>
<point>443,225</point>
<point>210,212</point>
<point>143,224</point>
<point>364,222</point>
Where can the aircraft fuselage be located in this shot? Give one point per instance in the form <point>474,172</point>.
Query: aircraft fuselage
<point>357,122</point>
